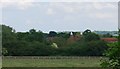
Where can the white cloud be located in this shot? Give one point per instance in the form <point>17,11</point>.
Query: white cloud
<point>102,15</point>
<point>50,11</point>
<point>81,6</point>
<point>66,7</point>
<point>21,4</point>
<point>91,9</point>
<point>99,5</point>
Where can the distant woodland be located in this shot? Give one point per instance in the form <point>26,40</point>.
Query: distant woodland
<point>37,43</point>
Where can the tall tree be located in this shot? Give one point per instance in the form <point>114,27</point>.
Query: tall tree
<point>89,36</point>
<point>8,34</point>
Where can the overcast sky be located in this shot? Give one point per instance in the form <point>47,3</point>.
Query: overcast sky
<point>60,16</point>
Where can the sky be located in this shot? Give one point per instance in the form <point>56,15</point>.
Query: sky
<point>59,16</point>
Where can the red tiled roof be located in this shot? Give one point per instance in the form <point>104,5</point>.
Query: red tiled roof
<point>109,39</point>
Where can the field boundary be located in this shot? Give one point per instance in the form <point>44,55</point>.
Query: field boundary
<point>51,57</point>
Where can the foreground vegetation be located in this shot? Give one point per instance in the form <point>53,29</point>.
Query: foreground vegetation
<point>113,54</point>
<point>71,62</point>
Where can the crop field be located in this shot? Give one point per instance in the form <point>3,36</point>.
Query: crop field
<point>51,62</point>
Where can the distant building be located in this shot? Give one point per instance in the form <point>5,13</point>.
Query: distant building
<point>74,36</point>
<point>109,39</point>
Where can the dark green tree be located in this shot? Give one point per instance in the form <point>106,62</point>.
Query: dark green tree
<point>8,34</point>
<point>96,48</point>
<point>52,34</point>
<point>113,56</point>
<point>89,36</point>
<point>65,35</point>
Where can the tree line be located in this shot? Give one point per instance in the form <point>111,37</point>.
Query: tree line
<point>37,43</point>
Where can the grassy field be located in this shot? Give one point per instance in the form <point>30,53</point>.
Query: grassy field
<point>35,62</point>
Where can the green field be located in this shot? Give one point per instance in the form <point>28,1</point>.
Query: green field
<point>34,62</point>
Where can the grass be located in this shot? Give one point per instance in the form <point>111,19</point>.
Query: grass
<point>81,62</point>
<point>0,62</point>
